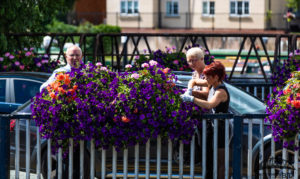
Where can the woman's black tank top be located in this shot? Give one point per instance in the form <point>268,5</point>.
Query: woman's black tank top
<point>223,106</point>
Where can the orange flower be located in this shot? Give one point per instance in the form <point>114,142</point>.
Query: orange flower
<point>288,100</point>
<point>67,80</point>
<point>60,77</point>
<point>61,90</point>
<point>56,85</point>
<point>298,94</point>
<point>296,104</point>
<point>166,70</point>
<point>287,91</point>
<point>125,119</point>
<point>48,89</point>
<point>75,87</point>
<point>52,95</point>
<point>72,91</point>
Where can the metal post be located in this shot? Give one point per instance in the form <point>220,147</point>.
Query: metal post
<point>4,147</point>
<point>237,147</point>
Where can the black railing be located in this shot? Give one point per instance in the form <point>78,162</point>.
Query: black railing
<point>121,48</point>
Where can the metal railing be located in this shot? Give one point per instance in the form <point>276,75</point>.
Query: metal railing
<point>157,165</point>
<point>122,48</point>
<point>259,90</point>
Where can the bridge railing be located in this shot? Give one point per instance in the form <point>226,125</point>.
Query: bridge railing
<point>159,158</point>
<point>120,49</point>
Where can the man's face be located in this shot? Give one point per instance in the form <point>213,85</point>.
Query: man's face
<point>74,57</point>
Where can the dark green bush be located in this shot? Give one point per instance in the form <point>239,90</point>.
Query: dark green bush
<point>60,27</point>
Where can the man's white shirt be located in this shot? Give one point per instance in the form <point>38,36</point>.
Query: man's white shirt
<point>66,68</point>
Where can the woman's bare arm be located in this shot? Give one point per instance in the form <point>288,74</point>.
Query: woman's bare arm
<point>219,96</point>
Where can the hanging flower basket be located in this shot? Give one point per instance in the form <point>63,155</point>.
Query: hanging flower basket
<point>284,111</point>
<point>116,109</point>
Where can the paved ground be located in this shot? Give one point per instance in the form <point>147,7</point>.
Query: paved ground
<point>21,175</point>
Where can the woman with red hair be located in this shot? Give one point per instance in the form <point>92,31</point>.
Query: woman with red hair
<point>218,99</point>
<point>218,102</point>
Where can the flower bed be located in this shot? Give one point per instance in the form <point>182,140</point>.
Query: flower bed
<point>119,109</point>
<point>26,61</point>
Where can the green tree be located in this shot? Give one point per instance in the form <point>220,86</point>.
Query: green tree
<point>294,4</point>
<point>28,16</point>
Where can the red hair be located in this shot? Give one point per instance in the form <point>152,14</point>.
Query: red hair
<point>215,68</point>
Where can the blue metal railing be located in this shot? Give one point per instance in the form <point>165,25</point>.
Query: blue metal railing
<point>237,156</point>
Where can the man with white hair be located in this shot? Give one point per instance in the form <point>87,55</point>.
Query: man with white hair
<point>74,58</point>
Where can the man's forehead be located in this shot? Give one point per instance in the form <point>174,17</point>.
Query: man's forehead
<point>73,50</point>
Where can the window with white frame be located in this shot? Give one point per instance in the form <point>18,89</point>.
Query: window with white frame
<point>208,8</point>
<point>172,8</point>
<point>129,7</point>
<point>239,7</point>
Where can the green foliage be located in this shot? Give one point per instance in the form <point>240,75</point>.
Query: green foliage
<point>58,26</point>
<point>27,16</point>
<point>293,4</point>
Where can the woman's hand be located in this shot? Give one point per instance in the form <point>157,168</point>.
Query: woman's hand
<point>187,98</point>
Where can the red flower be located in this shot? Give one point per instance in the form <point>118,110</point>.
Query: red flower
<point>166,70</point>
<point>296,104</point>
<point>288,100</point>
<point>287,91</point>
<point>125,119</point>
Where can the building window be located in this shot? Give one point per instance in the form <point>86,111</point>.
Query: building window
<point>129,7</point>
<point>239,7</point>
<point>208,8</point>
<point>172,8</point>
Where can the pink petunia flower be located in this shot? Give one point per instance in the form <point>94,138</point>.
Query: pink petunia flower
<point>153,63</point>
<point>98,64</point>
<point>27,54</point>
<point>17,63</point>
<point>135,76</point>
<point>103,69</point>
<point>11,57</point>
<point>176,62</point>
<point>7,54</point>
<point>46,56</point>
<point>145,65</point>
<point>4,67</point>
<point>39,64</point>
<point>26,49</point>
<point>137,57</point>
<point>22,67</point>
<point>44,61</point>
<point>31,48</point>
<point>1,59</point>
<point>128,66</point>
